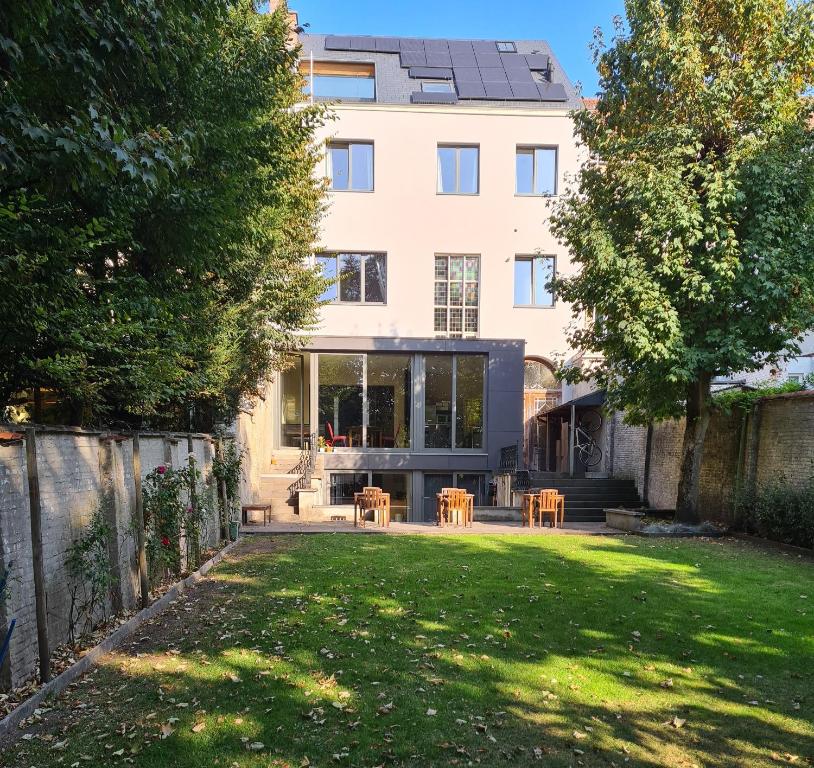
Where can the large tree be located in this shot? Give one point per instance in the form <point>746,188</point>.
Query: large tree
<point>692,219</point>
<point>157,205</point>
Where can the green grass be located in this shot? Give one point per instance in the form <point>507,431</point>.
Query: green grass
<point>548,651</point>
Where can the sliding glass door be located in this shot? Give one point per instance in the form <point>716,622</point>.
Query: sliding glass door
<point>454,399</point>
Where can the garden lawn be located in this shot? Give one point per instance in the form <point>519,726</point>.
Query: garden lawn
<point>365,650</point>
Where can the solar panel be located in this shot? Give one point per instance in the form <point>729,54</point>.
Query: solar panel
<point>552,92</point>
<point>388,45</point>
<point>413,59</point>
<point>498,91</point>
<point>493,75</point>
<point>484,46</point>
<point>434,73</point>
<point>513,61</point>
<point>438,59</point>
<point>488,60</point>
<point>463,59</point>
<point>420,97</point>
<point>411,45</point>
<point>525,91</point>
<point>520,76</point>
<point>363,44</point>
<point>460,46</point>
<point>537,61</point>
<point>337,43</point>
<point>466,74</point>
<point>471,90</point>
<point>436,46</point>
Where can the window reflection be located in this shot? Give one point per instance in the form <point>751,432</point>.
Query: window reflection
<point>389,400</point>
<point>340,399</point>
<point>438,401</point>
<point>469,387</point>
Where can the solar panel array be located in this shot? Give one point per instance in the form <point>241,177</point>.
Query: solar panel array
<point>478,68</point>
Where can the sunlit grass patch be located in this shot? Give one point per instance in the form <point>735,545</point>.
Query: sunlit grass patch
<point>425,651</point>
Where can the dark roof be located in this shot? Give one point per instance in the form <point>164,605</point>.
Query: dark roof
<point>482,71</point>
<point>591,400</point>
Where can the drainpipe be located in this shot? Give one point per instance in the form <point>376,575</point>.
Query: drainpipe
<point>648,450</point>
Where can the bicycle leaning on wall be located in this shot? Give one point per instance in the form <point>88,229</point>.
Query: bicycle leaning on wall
<point>588,452</point>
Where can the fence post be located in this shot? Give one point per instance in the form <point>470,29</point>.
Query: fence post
<point>36,548</point>
<point>195,544</point>
<point>140,543</point>
<point>224,518</point>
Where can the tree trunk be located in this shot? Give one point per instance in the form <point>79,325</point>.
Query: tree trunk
<point>692,451</point>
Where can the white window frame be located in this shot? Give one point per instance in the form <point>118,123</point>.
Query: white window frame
<point>457,148</point>
<point>349,145</point>
<point>463,334</point>
<point>530,149</point>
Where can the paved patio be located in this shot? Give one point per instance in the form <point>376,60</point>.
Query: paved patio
<point>580,529</point>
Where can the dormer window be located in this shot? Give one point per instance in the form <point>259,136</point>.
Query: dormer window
<point>339,80</point>
<point>505,46</point>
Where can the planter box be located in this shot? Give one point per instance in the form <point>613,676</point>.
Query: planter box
<point>625,519</point>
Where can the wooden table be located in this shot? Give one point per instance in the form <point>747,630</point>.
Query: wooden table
<point>384,514</point>
<point>264,508</point>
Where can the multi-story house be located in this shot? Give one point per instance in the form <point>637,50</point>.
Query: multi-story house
<point>437,345</point>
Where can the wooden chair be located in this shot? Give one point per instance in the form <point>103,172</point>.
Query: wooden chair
<point>372,499</point>
<point>548,504</point>
<point>457,506</point>
<point>333,439</point>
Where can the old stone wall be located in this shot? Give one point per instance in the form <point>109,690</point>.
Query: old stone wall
<point>774,442</point>
<point>79,473</point>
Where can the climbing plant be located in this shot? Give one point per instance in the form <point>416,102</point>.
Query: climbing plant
<point>88,566</point>
<point>164,510</point>
<point>228,469</point>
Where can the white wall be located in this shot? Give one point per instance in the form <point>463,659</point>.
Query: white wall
<point>407,219</point>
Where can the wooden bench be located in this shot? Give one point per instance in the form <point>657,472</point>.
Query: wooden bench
<point>264,508</point>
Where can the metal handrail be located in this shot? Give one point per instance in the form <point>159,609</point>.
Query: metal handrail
<point>305,465</point>
<point>509,456</point>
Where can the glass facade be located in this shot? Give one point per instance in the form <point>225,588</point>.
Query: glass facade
<point>295,405</point>
<point>343,485</point>
<point>438,401</point>
<point>454,419</point>
<point>340,391</point>
<point>469,393</point>
<point>389,400</point>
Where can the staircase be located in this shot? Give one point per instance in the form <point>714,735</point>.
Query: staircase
<point>277,485</point>
<point>587,498</point>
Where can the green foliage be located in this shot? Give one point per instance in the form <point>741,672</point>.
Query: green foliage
<point>164,510</point>
<point>157,205</point>
<point>692,220</point>
<point>227,467</point>
<point>744,400</point>
<point>88,566</point>
<point>780,512</point>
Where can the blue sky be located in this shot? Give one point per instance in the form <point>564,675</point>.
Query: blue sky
<point>567,26</point>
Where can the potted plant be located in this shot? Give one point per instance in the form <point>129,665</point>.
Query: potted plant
<point>234,524</point>
<point>321,445</point>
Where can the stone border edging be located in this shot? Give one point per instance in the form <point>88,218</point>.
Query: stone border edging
<point>112,641</point>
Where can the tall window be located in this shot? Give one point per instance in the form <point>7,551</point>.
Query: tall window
<point>458,170</point>
<point>536,171</point>
<point>359,277</point>
<point>456,295</point>
<point>532,281</point>
<point>365,399</point>
<point>454,400</point>
<point>342,80</point>
<point>350,166</point>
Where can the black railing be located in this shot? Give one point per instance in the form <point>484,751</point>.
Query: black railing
<point>305,466</point>
<point>509,458</point>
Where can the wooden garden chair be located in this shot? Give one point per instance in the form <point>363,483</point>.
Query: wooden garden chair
<point>372,499</point>
<point>527,505</point>
<point>457,506</point>
<point>548,504</point>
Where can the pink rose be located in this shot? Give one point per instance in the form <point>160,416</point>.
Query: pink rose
<point>161,470</point>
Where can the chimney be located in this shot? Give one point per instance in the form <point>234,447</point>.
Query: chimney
<point>293,21</point>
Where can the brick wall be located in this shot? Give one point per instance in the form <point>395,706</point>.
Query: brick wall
<point>79,472</point>
<point>783,447</point>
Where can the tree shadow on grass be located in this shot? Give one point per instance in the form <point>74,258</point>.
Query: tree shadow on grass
<point>366,651</point>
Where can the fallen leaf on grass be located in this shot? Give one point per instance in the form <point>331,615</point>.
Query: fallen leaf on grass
<point>198,727</point>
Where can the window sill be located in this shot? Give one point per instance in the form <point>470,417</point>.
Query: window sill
<point>331,303</point>
<point>534,306</point>
<point>536,196</point>
<point>358,191</point>
<point>457,194</point>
